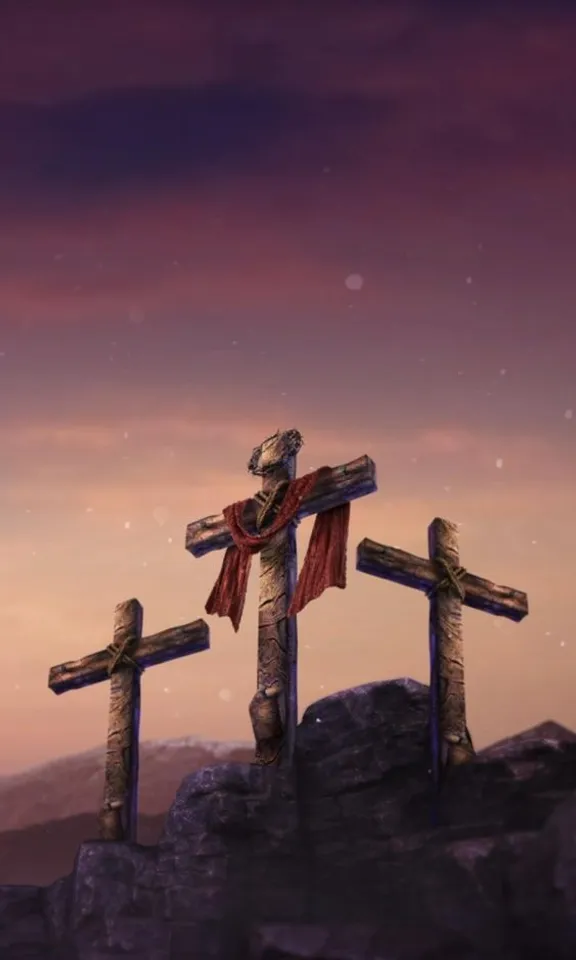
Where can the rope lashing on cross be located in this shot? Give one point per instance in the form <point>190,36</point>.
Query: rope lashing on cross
<point>119,655</point>
<point>449,579</point>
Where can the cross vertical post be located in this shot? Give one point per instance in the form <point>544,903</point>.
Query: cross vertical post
<point>274,707</point>
<point>119,813</point>
<point>448,587</point>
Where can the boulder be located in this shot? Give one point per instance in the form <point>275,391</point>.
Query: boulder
<point>349,855</point>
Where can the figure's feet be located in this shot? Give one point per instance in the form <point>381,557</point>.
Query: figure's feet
<point>457,750</point>
<point>268,752</point>
<point>110,824</point>
<point>459,753</point>
<point>267,724</point>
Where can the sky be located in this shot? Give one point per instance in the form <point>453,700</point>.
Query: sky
<point>219,219</point>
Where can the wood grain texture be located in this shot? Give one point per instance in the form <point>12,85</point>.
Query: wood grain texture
<point>336,486</point>
<point>274,708</point>
<point>448,588</point>
<point>451,743</point>
<point>118,815</point>
<point>389,563</point>
<point>160,647</point>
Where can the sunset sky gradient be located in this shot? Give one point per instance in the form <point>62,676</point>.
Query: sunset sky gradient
<point>185,188</point>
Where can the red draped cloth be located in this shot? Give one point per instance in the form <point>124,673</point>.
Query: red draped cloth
<point>324,565</point>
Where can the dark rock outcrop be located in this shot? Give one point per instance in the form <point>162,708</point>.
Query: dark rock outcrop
<point>350,856</point>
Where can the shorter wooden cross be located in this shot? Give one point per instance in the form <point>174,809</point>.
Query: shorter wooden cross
<point>123,662</point>
<point>448,586</point>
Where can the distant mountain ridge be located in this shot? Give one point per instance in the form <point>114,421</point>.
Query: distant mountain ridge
<point>73,785</point>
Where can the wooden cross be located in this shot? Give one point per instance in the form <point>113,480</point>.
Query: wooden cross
<point>448,586</point>
<point>274,708</point>
<point>122,663</point>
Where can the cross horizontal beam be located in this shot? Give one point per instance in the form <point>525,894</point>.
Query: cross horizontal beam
<point>158,648</point>
<point>389,563</point>
<point>336,486</point>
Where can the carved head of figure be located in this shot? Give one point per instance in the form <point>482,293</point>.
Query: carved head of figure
<point>275,451</point>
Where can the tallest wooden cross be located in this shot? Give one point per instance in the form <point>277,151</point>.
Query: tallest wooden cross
<point>274,708</point>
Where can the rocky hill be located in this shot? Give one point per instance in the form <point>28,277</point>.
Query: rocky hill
<point>349,855</point>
